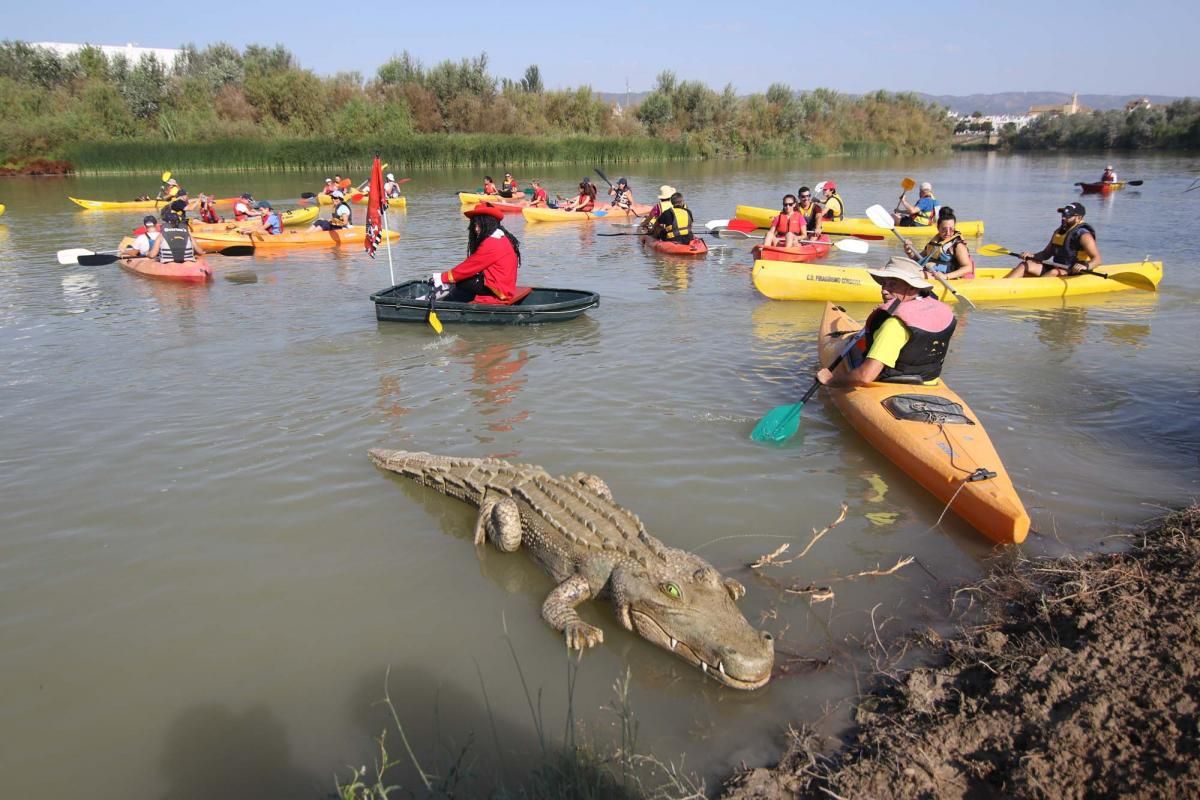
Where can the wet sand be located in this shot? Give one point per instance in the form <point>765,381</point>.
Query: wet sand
<point>1076,677</point>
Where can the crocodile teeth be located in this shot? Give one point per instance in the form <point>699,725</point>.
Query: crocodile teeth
<point>721,666</point>
<point>673,643</point>
<point>704,667</point>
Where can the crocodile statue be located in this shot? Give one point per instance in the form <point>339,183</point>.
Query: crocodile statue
<point>590,545</point>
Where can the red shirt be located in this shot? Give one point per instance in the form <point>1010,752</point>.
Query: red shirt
<point>497,260</point>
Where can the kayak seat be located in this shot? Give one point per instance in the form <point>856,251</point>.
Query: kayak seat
<point>926,408</point>
<point>520,294</point>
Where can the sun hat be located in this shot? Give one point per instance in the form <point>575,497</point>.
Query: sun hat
<point>926,186</point>
<point>172,182</point>
<point>665,192</point>
<point>1073,210</point>
<point>484,210</point>
<point>904,269</point>
<point>1109,168</point>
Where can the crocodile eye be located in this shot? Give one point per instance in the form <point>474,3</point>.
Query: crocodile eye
<point>671,590</point>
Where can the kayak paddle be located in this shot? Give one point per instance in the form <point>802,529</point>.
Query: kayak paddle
<point>1127,183</point>
<point>852,245</point>
<point>882,219</point>
<point>71,256</point>
<point>102,259</point>
<point>781,423</point>
<point>432,317</point>
<point>1134,280</point>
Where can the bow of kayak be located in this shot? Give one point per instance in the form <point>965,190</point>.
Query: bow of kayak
<point>934,437</point>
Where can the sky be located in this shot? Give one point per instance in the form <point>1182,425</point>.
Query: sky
<point>1093,47</point>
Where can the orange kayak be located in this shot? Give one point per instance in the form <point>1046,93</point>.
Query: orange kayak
<point>814,251</point>
<point>696,247</point>
<point>196,271</point>
<point>931,434</point>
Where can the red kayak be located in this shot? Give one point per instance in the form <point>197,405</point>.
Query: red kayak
<point>696,247</point>
<point>1100,188</point>
<point>809,251</point>
<point>196,271</point>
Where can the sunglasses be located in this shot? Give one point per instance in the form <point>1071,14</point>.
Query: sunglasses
<point>788,205</point>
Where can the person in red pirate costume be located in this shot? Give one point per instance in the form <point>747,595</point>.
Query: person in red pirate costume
<point>489,274</point>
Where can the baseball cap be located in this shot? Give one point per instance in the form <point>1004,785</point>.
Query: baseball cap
<point>926,186</point>
<point>263,204</point>
<point>149,219</point>
<point>391,177</point>
<point>1073,210</point>
<point>829,186</point>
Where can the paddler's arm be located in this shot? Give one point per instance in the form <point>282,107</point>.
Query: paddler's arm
<point>865,373</point>
<point>1088,243</point>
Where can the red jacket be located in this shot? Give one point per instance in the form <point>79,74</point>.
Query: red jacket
<point>497,260</point>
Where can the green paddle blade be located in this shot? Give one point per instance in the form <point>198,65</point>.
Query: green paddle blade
<point>779,424</point>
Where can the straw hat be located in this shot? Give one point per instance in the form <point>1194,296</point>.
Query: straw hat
<point>665,192</point>
<point>905,269</point>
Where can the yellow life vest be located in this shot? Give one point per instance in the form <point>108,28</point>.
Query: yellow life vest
<point>925,218</point>
<point>681,224</point>
<point>834,212</point>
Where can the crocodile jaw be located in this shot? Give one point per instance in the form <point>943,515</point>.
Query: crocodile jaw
<point>755,678</point>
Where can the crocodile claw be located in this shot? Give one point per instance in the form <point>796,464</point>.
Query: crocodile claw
<point>580,635</point>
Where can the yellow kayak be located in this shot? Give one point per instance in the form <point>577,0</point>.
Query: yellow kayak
<point>858,226</point>
<point>1,209</point>
<point>782,280</point>
<point>934,437</point>
<point>297,216</point>
<point>306,237</point>
<point>137,205</point>
<point>601,213</point>
<point>361,199</point>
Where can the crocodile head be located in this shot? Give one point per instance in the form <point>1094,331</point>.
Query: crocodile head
<point>692,613</point>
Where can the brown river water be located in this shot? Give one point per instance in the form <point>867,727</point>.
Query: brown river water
<point>203,580</point>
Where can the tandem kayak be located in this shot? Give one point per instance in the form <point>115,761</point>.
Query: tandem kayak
<point>1099,187</point>
<point>933,436</point>
<point>409,302</point>
<point>196,271</point>
<point>306,237</point>
<point>814,250</point>
<point>857,226</point>
<point>696,247</point>
<point>297,216</point>
<point>784,281</point>
<point>362,198</point>
<point>508,205</point>
<point>559,215</point>
<point>137,205</point>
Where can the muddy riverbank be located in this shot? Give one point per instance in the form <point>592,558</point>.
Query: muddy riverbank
<point>1075,677</point>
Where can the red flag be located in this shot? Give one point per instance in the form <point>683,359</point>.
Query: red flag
<point>376,205</point>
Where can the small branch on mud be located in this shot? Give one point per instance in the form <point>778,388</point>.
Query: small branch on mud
<point>877,572</point>
<point>772,559</point>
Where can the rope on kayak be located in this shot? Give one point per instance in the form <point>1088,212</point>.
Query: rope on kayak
<point>981,474</point>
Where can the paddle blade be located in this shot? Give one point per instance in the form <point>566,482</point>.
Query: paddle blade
<point>166,176</point>
<point>730,233</point>
<point>713,224</point>
<point>1134,183</point>
<point>403,180</point>
<point>434,322</point>
<point>98,260</point>
<point>71,256</point>
<point>743,225</point>
<point>779,424</point>
<point>994,250</point>
<point>1135,280</point>
<point>907,184</point>
<point>237,250</point>
<point>852,246</point>
<point>880,217</point>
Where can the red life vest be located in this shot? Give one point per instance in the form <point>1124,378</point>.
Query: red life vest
<point>209,214</point>
<point>789,223</point>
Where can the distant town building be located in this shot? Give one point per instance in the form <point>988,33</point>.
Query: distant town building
<point>1141,102</point>
<point>132,52</point>
<point>1065,109</point>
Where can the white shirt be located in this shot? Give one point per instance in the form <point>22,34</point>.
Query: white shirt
<point>240,207</point>
<point>145,241</point>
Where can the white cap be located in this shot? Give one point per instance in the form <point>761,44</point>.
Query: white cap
<point>926,186</point>
<point>391,177</point>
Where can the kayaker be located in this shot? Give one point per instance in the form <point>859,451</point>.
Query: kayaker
<point>835,209</point>
<point>788,226</point>
<point>664,202</point>
<point>272,223</point>
<point>208,210</point>
<point>622,195</point>
<point>946,252</point>
<point>540,198</point>
<point>340,183</point>
<point>329,186</point>
<point>1109,176</point>
<point>180,246</point>
<point>170,190</point>
<point>489,186</point>
<point>923,213</point>
<point>508,186</point>
<point>144,237</point>
<point>179,207</point>
<point>907,335</point>
<point>341,217</point>
<point>489,274</point>
<point>812,212</point>
<point>674,224</point>
<point>390,187</point>
<point>242,207</point>
<point>1072,248</point>
<point>585,201</point>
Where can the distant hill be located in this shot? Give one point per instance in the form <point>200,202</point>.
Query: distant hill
<point>1001,103</point>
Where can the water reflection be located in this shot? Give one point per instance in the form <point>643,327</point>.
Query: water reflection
<point>495,371</point>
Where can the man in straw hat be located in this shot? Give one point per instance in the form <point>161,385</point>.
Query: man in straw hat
<point>664,202</point>
<point>907,335</point>
<point>489,274</point>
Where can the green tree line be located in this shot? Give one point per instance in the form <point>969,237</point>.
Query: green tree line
<point>259,108</point>
<point>1173,126</point>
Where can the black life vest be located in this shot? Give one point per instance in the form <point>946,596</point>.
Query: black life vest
<point>1066,247</point>
<point>336,221</point>
<point>176,246</point>
<point>921,357</point>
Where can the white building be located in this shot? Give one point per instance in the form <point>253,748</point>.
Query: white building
<point>132,52</point>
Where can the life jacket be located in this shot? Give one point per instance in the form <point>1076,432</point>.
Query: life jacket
<point>509,186</point>
<point>490,188</point>
<point>1066,247</point>
<point>680,229</point>
<point>925,217</point>
<point>176,246</point>
<point>789,223</point>
<point>336,220</point>
<point>209,214</point>
<point>240,210</point>
<point>620,198</point>
<point>539,195</point>
<point>834,212</point>
<point>811,216</point>
<point>273,223</point>
<point>930,324</point>
<point>585,201</point>
<point>941,255</point>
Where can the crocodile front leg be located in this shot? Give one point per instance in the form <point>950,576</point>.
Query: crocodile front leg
<point>559,611</point>
<point>500,521</point>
